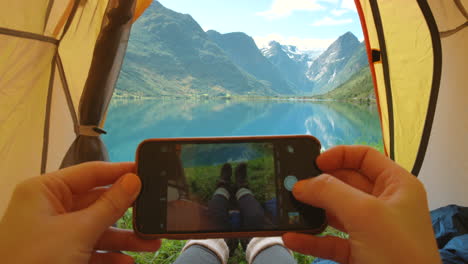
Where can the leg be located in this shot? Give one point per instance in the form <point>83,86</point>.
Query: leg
<point>274,254</point>
<point>252,213</point>
<point>219,204</point>
<point>206,251</point>
<point>218,210</point>
<point>197,255</point>
<point>262,250</point>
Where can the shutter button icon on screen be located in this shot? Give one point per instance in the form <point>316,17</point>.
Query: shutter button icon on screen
<point>289,182</point>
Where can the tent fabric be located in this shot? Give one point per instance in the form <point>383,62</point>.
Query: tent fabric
<point>372,43</point>
<point>420,85</point>
<point>140,7</point>
<point>48,48</point>
<point>77,62</point>
<point>397,32</point>
<point>407,67</point>
<point>450,15</point>
<point>23,102</point>
<point>27,16</point>
<point>60,122</point>
<point>445,168</point>
<point>103,73</point>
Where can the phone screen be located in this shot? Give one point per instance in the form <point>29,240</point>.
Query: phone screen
<point>196,186</point>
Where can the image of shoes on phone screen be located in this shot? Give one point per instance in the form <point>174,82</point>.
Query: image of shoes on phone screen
<point>225,187</point>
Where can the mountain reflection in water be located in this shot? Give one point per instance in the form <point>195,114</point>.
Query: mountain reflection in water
<point>333,123</point>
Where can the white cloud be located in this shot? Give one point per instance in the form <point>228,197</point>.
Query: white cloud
<point>300,43</point>
<point>349,4</point>
<point>328,21</point>
<point>284,8</point>
<point>339,12</point>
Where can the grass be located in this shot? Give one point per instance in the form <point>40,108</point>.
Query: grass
<point>170,249</point>
<point>358,87</point>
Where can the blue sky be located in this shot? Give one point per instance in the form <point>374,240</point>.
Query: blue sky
<point>308,24</point>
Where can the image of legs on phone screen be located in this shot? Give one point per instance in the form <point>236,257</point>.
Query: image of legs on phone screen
<point>252,214</point>
<point>231,189</point>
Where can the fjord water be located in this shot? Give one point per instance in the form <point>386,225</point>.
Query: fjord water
<point>333,123</point>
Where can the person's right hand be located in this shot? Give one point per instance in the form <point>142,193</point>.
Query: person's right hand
<point>380,205</point>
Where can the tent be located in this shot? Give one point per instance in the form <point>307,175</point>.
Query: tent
<point>60,59</point>
<point>418,57</point>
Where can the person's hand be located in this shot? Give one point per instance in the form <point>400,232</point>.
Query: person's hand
<point>64,217</point>
<point>380,205</point>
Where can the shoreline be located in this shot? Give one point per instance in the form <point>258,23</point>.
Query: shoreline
<point>244,98</point>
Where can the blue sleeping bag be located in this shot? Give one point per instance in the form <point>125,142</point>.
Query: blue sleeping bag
<point>450,225</point>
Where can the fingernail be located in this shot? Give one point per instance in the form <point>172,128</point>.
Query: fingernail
<point>327,177</point>
<point>131,184</point>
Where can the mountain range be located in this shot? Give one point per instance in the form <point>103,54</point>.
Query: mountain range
<point>170,54</point>
<point>338,63</point>
<point>292,63</point>
<point>243,52</point>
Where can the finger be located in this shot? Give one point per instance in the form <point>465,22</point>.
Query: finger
<point>84,200</point>
<point>366,160</point>
<point>111,205</point>
<point>110,258</point>
<point>354,179</point>
<point>118,239</point>
<point>86,176</point>
<point>329,247</point>
<point>334,222</point>
<point>331,194</point>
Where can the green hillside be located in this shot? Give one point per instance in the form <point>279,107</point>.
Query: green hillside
<point>170,54</point>
<point>358,87</point>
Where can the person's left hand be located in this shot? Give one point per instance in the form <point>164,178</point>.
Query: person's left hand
<point>64,217</point>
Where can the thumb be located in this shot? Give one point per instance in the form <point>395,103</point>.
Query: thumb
<point>331,194</point>
<point>113,203</point>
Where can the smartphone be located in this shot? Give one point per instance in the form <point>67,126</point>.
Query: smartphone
<point>225,187</point>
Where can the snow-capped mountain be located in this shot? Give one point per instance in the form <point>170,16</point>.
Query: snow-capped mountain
<point>170,54</point>
<point>292,62</point>
<point>343,58</point>
<point>242,50</point>
<point>291,51</point>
